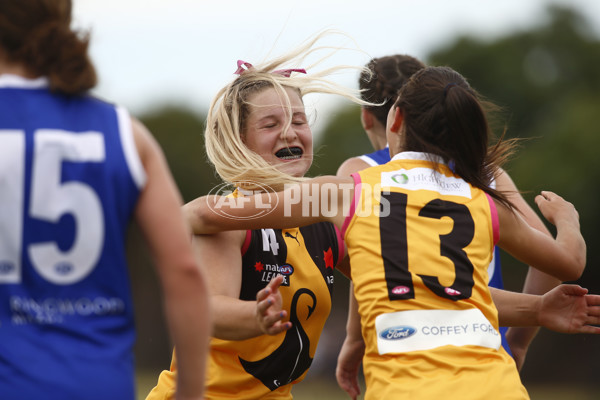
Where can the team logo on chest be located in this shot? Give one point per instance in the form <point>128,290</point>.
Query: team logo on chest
<point>269,271</point>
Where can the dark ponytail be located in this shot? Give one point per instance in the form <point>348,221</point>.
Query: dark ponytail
<point>38,35</point>
<point>444,116</point>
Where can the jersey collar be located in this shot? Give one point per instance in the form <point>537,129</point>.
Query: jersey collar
<point>415,155</point>
<point>17,81</point>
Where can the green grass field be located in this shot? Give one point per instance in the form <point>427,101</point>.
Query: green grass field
<point>321,389</point>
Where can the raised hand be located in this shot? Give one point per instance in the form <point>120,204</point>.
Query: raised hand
<point>554,208</point>
<point>569,309</point>
<point>348,364</point>
<point>269,313</point>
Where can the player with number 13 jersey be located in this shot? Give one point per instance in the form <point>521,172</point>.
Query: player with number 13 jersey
<point>428,308</point>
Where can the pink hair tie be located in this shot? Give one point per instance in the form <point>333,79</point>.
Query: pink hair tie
<point>243,66</point>
<point>288,72</point>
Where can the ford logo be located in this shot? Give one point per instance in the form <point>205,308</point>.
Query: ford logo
<point>397,332</point>
<point>286,269</point>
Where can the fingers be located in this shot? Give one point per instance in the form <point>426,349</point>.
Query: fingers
<point>595,330</point>
<point>275,282</point>
<point>272,287</point>
<point>542,197</point>
<point>269,314</point>
<point>592,300</point>
<point>555,208</point>
<point>593,314</point>
<point>593,310</point>
<point>279,327</point>
<point>263,306</point>
<point>348,384</point>
<point>271,319</point>
<point>573,290</point>
<point>592,320</point>
<point>547,196</point>
<point>550,196</point>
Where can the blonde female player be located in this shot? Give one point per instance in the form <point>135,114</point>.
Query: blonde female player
<point>420,231</point>
<point>258,136</point>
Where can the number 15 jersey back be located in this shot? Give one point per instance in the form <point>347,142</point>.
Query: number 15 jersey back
<point>70,177</point>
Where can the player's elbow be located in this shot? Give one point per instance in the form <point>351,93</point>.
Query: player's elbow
<point>569,275</point>
<point>200,216</point>
<point>576,266</point>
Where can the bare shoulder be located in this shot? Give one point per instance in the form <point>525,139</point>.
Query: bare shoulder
<point>145,142</point>
<point>504,182</point>
<point>329,179</point>
<point>351,166</point>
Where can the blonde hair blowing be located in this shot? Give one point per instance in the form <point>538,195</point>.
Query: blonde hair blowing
<point>233,160</point>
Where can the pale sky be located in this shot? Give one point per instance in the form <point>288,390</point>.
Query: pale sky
<point>154,52</point>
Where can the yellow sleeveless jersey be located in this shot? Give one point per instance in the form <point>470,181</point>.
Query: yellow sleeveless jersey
<point>266,367</point>
<point>420,241</point>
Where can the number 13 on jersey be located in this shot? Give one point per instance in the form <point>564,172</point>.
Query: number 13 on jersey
<point>394,248</point>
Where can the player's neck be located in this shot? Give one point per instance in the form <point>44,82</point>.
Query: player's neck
<point>378,139</point>
<point>15,69</point>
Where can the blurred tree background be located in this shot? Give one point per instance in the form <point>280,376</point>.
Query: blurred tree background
<point>546,79</point>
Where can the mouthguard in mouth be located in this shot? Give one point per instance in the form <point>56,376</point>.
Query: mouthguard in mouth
<point>289,153</point>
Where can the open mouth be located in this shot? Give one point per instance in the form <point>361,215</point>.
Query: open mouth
<point>289,153</point>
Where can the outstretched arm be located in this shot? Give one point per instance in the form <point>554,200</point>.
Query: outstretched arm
<point>352,351</point>
<point>536,281</point>
<point>563,257</point>
<point>158,214</point>
<point>326,198</point>
<point>564,309</point>
<point>353,348</point>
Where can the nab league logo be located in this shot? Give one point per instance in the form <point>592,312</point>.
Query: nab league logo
<point>270,271</point>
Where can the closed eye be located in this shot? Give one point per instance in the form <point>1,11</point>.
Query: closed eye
<point>299,119</point>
